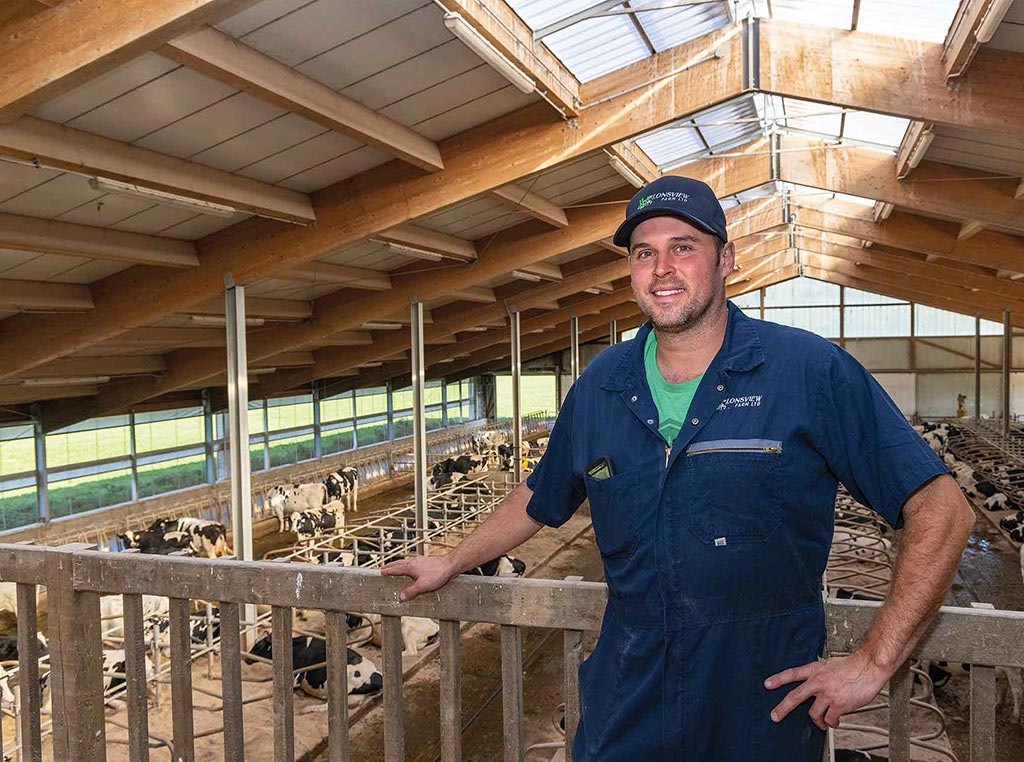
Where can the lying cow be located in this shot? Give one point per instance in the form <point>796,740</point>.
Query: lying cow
<point>206,538</point>
<point>310,524</point>
<point>502,566</point>
<point>154,541</point>
<point>363,676</point>
<point>344,485</point>
<point>287,498</point>
<point>417,632</point>
<point>1000,502</point>
<point>452,470</point>
<point>114,675</point>
<point>1014,524</point>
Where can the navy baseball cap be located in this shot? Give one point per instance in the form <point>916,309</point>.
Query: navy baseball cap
<point>672,196</point>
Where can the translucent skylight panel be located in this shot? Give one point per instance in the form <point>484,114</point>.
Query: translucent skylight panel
<point>597,46</point>
<point>875,128</point>
<point>813,117</point>
<point>669,27</point>
<point>927,20</point>
<point>671,144</point>
<point>732,124</point>
<point>541,13</point>
<point>833,13</point>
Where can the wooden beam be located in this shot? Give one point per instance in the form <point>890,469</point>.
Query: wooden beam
<point>936,189</point>
<point>223,58</point>
<point>260,307</point>
<point>477,294</point>
<point>19,395</point>
<point>165,336</point>
<point>532,204</point>
<point>54,237</point>
<point>112,365</point>
<point>30,295</point>
<point>503,28</point>
<point>52,52</point>
<point>970,229</point>
<point>868,72</point>
<point>339,275</point>
<point>1019,193</point>
<point>931,237</point>
<point>431,240</point>
<point>59,147</point>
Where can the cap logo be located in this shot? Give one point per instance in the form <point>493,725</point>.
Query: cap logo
<point>669,196</point>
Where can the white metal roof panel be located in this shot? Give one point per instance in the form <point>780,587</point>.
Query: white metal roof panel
<point>1010,34</point>
<point>927,20</point>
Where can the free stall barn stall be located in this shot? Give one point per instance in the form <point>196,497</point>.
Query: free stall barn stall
<point>293,289</point>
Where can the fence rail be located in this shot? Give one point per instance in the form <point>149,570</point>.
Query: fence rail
<point>75,576</point>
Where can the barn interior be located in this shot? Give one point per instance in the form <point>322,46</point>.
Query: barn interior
<point>248,244</point>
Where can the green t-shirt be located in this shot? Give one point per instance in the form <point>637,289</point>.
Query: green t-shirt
<point>672,400</point>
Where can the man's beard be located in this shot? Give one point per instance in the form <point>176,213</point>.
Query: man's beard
<point>684,318</point>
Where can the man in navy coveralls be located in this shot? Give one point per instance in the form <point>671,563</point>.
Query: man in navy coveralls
<point>715,536</point>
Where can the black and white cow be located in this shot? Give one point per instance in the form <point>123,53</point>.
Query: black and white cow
<point>7,700</point>
<point>157,542</point>
<point>483,442</point>
<point>113,674</point>
<point>1015,526</point>
<point>502,566</point>
<point>344,485</point>
<point>284,499</point>
<point>363,676</point>
<point>453,470</point>
<point>206,538</point>
<point>1000,502</point>
<point>313,523</point>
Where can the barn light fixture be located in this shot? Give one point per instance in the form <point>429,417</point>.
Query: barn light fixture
<point>161,197</point>
<point>475,42</point>
<point>920,149</point>
<point>411,251</point>
<point>987,28</point>
<point>628,174</point>
<point>591,291</point>
<point>381,326</point>
<point>65,381</point>
<point>218,320</point>
<point>523,275</point>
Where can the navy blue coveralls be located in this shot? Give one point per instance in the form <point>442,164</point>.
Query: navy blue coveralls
<point>714,548</point>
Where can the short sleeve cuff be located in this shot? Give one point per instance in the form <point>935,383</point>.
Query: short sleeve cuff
<point>913,472</point>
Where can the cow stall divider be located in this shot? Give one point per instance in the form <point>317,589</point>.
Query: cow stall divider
<point>76,577</point>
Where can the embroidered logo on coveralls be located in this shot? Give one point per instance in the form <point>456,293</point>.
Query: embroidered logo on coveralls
<point>751,400</point>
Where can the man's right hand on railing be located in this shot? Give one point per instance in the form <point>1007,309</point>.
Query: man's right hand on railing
<point>428,572</point>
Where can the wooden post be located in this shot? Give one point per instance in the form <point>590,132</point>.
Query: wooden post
<point>28,674</point>
<point>181,681</point>
<point>451,691</point>
<point>231,679</point>
<point>135,678</point>
<point>512,692</point>
<point>337,687</point>
<point>76,659</point>
<point>900,687</point>
<point>284,687</point>
<point>394,714</point>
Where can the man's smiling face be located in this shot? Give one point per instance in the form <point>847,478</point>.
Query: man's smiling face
<point>677,273</point>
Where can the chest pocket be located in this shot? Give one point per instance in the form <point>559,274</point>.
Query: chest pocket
<point>733,490</point>
<point>613,512</point>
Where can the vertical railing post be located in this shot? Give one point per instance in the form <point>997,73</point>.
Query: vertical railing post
<point>977,368</point>
<point>318,447</point>
<point>419,427</point>
<point>574,347</point>
<point>1007,364</point>
<point>76,659</point>
<point>133,457</point>
<point>208,437</point>
<point>42,480</point>
<point>238,432</point>
<point>517,407</point>
<point>355,421</point>
<point>900,686</point>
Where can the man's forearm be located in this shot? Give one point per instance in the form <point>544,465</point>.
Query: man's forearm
<point>507,527</point>
<point>937,524</point>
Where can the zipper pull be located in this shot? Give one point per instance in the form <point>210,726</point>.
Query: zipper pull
<point>668,452</point>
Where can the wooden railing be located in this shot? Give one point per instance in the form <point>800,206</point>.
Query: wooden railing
<point>76,576</point>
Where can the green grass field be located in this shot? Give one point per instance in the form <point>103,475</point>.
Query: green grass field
<point>539,393</point>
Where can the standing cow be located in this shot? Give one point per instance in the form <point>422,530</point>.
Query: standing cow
<point>344,485</point>
<point>287,498</point>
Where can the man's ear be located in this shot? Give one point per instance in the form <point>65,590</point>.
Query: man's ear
<point>727,260</point>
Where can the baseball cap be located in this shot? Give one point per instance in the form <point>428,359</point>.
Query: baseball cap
<point>673,196</point>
